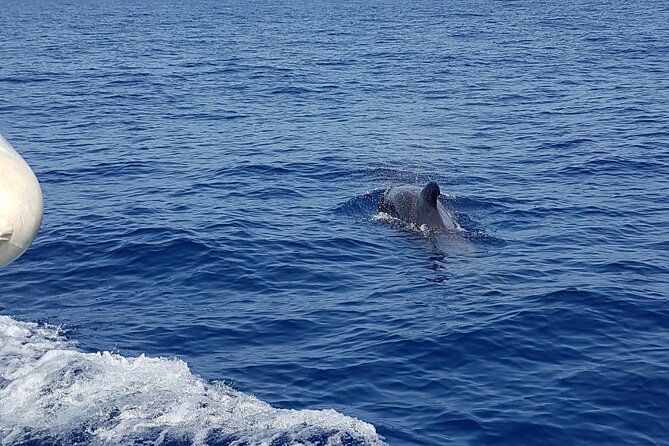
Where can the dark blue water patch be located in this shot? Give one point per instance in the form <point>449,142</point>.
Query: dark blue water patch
<point>270,193</point>
<point>565,148</point>
<point>256,169</point>
<point>123,169</point>
<point>291,91</point>
<point>361,206</point>
<point>614,165</point>
<point>608,308</point>
<point>634,267</point>
<point>24,80</point>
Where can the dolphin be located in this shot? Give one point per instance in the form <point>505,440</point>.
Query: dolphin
<point>418,207</point>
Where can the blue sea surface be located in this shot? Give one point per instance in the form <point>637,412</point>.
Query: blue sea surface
<point>212,268</point>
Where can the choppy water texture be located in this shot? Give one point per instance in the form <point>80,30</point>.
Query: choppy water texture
<point>212,268</point>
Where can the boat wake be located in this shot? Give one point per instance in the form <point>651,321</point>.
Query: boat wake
<point>53,393</point>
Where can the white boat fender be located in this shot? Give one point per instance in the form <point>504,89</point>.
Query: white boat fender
<point>21,205</point>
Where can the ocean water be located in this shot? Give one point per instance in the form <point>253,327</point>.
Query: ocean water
<point>212,267</point>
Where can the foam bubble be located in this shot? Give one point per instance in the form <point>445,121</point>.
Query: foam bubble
<point>422,230</point>
<point>52,392</point>
<point>384,217</point>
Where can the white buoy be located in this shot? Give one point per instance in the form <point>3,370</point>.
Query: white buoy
<point>21,205</point>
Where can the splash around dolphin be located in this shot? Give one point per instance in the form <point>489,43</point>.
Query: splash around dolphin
<point>418,207</point>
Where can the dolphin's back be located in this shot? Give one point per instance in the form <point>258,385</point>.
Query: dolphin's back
<point>407,203</point>
<point>401,202</point>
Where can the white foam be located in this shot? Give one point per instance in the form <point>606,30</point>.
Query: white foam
<point>384,217</point>
<point>423,229</point>
<point>49,390</point>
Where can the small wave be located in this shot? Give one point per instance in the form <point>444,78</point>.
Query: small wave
<point>50,392</point>
<point>613,165</point>
<point>362,206</point>
<point>23,79</point>
<point>257,169</point>
<point>291,91</point>
<point>102,169</point>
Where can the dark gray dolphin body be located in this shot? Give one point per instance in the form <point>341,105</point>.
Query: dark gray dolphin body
<point>417,206</point>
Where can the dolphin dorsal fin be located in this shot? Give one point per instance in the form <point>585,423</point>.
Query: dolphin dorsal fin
<point>430,193</point>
